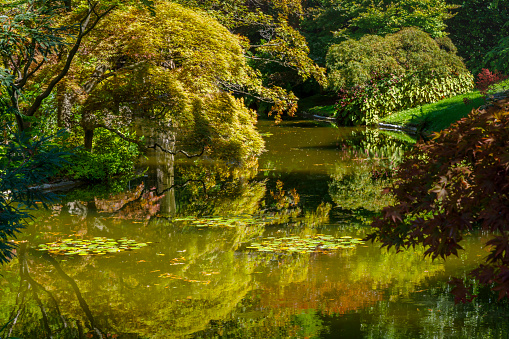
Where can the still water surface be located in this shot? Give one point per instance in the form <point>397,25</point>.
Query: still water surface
<point>197,278</point>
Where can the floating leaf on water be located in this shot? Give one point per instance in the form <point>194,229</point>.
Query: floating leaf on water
<point>97,245</point>
<point>309,244</point>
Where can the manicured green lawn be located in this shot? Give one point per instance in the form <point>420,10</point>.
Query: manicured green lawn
<point>438,115</point>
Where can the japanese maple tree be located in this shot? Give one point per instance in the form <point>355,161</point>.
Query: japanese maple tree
<point>456,183</point>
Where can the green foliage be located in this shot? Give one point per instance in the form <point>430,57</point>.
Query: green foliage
<point>35,34</point>
<point>24,163</point>
<point>360,186</point>
<point>391,16</point>
<point>498,57</point>
<point>450,186</point>
<point>476,29</point>
<point>181,85</point>
<point>332,21</point>
<point>377,76</point>
<point>437,116</point>
<point>112,158</point>
<point>274,42</point>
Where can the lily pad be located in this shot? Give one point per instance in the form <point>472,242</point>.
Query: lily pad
<point>226,221</point>
<point>309,244</point>
<point>95,246</point>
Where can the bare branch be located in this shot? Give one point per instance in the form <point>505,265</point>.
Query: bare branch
<point>156,145</point>
<point>266,45</point>
<point>83,32</point>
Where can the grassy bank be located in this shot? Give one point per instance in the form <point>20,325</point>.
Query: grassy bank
<point>438,115</point>
<point>431,117</point>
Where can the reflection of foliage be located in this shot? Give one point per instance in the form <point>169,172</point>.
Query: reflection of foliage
<point>230,189</point>
<point>451,185</point>
<point>357,188</point>
<point>320,216</point>
<point>283,200</point>
<point>401,272</point>
<point>383,148</point>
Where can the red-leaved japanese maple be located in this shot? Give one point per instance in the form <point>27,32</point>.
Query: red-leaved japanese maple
<point>451,185</point>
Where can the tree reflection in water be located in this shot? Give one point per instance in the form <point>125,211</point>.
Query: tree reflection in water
<point>201,281</point>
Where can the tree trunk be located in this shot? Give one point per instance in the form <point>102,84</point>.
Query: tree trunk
<point>64,106</point>
<point>89,135</point>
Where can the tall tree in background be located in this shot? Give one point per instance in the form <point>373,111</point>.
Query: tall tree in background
<point>477,28</point>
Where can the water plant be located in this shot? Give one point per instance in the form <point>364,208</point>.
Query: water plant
<point>95,246</point>
<point>311,244</point>
<point>228,221</point>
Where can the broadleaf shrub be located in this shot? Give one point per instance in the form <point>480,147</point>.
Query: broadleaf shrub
<point>450,186</point>
<point>112,158</point>
<point>376,76</point>
<point>486,79</point>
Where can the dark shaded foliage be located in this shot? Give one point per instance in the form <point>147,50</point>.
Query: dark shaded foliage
<point>24,163</point>
<point>477,28</point>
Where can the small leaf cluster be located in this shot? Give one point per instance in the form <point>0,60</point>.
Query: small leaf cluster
<point>452,185</point>
<point>486,79</point>
<point>376,76</point>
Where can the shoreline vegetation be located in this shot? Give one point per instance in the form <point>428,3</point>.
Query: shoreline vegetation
<point>426,119</point>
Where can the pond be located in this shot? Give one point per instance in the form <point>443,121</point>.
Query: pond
<point>195,249</point>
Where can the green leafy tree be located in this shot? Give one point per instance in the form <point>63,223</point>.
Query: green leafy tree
<point>31,35</point>
<point>333,21</point>
<point>477,28</point>
<point>272,29</point>
<point>176,69</point>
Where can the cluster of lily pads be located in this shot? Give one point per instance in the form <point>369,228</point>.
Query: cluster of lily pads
<point>215,221</point>
<point>95,246</point>
<point>312,244</point>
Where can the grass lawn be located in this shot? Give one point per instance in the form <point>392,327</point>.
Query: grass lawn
<point>439,115</point>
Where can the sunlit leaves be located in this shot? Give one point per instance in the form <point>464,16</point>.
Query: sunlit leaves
<point>312,244</point>
<point>95,246</point>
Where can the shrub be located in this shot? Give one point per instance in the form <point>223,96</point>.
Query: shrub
<point>486,79</point>
<point>112,158</point>
<point>376,76</point>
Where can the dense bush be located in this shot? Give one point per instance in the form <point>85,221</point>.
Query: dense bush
<point>375,75</point>
<point>450,186</point>
<point>112,158</point>
<point>487,79</point>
